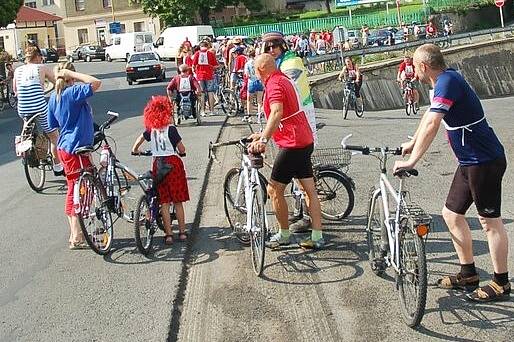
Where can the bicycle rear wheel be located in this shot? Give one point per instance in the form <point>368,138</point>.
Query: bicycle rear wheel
<point>231,102</point>
<point>408,108</point>
<point>13,101</point>
<point>258,231</point>
<point>145,225</point>
<point>346,104</point>
<point>235,212</point>
<point>412,279</point>
<point>94,216</point>
<point>374,231</point>
<point>35,172</point>
<point>335,194</point>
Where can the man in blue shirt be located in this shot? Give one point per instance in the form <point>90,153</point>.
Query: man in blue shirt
<point>478,177</point>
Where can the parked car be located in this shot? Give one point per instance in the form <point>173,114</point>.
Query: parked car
<point>49,55</point>
<point>145,65</point>
<point>378,37</point>
<point>354,38</point>
<point>87,53</point>
<point>125,44</point>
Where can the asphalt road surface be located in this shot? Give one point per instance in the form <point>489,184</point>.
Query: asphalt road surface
<point>48,293</point>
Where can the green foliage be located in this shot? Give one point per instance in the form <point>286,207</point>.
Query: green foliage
<point>187,12</point>
<point>8,11</point>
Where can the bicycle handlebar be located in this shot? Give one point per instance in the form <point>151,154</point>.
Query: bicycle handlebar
<point>108,122</point>
<point>212,146</point>
<point>366,150</point>
<point>142,153</point>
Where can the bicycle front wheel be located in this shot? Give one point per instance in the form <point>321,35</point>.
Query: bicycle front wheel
<point>346,104</point>
<point>35,171</point>
<point>412,279</point>
<point>258,231</point>
<point>94,216</point>
<point>408,108</point>
<point>231,102</point>
<point>13,101</point>
<point>359,107</point>
<point>145,225</point>
<point>375,231</point>
<point>335,194</point>
<point>235,205</point>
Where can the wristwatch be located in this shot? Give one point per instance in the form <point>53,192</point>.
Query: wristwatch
<point>263,140</point>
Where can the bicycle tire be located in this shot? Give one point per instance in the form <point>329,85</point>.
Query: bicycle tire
<point>346,103</point>
<point>408,109</point>
<point>231,102</point>
<point>374,228</point>
<point>328,182</point>
<point>3,96</point>
<point>94,207</point>
<point>235,214</point>
<point>359,110</point>
<point>258,231</point>
<point>36,185</point>
<point>13,101</point>
<point>415,275</point>
<point>144,229</point>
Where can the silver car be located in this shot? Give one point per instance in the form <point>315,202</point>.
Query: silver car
<point>145,65</point>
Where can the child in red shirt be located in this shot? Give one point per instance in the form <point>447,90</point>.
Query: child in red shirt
<point>167,147</point>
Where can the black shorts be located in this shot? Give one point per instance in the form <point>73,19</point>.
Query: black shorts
<point>481,184</point>
<point>292,163</point>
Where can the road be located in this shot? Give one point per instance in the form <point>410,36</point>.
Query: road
<point>48,293</point>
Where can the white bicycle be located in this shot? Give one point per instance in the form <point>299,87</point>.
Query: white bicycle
<point>396,236</point>
<point>245,196</point>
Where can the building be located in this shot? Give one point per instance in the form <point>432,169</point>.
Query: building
<point>31,24</point>
<point>88,21</point>
<point>57,8</point>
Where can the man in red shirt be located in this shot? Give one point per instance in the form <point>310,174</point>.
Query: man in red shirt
<point>289,127</point>
<point>204,63</point>
<point>238,66</point>
<point>407,72</point>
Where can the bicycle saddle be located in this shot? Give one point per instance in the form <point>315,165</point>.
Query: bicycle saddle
<point>84,150</point>
<point>406,173</point>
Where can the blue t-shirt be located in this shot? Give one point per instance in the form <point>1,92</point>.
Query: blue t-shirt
<point>454,98</point>
<point>73,116</point>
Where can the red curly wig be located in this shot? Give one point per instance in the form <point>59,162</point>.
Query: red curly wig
<point>158,112</point>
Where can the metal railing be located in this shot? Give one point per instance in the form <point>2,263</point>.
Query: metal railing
<point>333,61</point>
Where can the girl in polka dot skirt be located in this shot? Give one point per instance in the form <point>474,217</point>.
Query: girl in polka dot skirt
<point>167,147</point>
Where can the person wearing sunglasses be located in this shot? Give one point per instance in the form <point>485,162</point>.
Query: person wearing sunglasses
<point>290,64</point>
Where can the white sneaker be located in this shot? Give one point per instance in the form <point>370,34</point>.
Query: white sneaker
<point>203,114</point>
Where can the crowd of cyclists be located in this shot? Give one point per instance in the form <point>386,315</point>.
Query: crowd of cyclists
<point>273,65</point>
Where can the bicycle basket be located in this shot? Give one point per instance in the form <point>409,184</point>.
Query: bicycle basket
<point>334,156</point>
<point>41,146</point>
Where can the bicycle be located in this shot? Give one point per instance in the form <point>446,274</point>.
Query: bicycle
<point>244,192</point>
<point>411,107</point>
<point>226,98</point>
<point>185,109</point>
<point>350,100</point>
<point>7,95</point>
<point>34,149</point>
<point>396,239</point>
<point>148,217</point>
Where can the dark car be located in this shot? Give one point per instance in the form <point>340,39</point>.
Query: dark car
<point>145,65</point>
<point>49,55</point>
<point>378,37</point>
<point>87,53</point>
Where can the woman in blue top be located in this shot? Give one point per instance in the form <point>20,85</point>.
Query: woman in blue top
<point>255,87</point>
<point>69,111</point>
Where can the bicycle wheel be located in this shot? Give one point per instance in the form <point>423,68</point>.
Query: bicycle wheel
<point>3,96</point>
<point>408,108</point>
<point>94,216</point>
<point>35,171</point>
<point>231,102</point>
<point>374,230</point>
<point>412,279</point>
<point>359,107</point>
<point>13,101</point>
<point>335,194</point>
<point>258,231</point>
<point>235,212</point>
<point>346,103</point>
<point>145,225</point>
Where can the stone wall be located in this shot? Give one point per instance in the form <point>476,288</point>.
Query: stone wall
<point>487,66</point>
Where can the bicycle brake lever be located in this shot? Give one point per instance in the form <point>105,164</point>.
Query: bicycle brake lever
<point>345,139</point>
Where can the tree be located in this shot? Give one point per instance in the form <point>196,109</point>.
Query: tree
<point>187,12</point>
<point>327,5</point>
<point>8,11</point>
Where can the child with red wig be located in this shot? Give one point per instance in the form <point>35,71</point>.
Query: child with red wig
<point>167,147</point>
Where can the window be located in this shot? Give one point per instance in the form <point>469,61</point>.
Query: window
<point>31,4</point>
<point>122,28</point>
<point>2,44</point>
<point>148,39</point>
<point>32,37</point>
<point>48,2</point>
<point>83,36</point>
<point>80,5</point>
<point>107,3</point>
<point>117,41</point>
<point>139,26</point>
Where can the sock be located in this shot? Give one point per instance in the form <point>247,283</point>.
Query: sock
<point>58,167</point>
<point>316,235</point>
<point>284,233</point>
<point>468,270</point>
<point>501,278</point>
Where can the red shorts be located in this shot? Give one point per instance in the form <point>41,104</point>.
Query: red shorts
<point>173,189</point>
<point>71,164</point>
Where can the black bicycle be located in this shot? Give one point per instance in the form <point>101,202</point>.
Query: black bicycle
<point>350,100</point>
<point>7,96</point>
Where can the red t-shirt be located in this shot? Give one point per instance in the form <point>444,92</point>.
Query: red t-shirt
<point>188,61</point>
<point>408,68</point>
<point>204,62</point>
<point>178,84</point>
<point>431,29</point>
<point>240,62</point>
<point>294,130</point>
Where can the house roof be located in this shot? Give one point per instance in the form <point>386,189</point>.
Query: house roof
<point>27,14</point>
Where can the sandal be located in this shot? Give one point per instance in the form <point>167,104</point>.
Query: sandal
<point>182,236</point>
<point>78,245</point>
<point>457,282</point>
<point>168,240</point>
<point>490,293</point>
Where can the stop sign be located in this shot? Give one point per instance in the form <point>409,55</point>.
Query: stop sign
<point>499,3</point>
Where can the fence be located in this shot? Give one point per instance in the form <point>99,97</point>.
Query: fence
<point>440,5</point>
<point>297,26</point>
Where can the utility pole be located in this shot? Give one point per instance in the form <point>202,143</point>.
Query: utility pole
<point>112,11</point>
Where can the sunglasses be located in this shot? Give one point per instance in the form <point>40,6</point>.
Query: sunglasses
<point>269,48</point>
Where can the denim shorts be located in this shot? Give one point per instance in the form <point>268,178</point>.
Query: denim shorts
<point>255,86</point>
<point>208,86</point>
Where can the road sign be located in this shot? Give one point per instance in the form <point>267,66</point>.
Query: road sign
<point>499,3</point>
<point>115,27</point>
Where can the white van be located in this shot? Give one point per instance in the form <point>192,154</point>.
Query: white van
<point>124,44</point>
<point>169,41</point>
